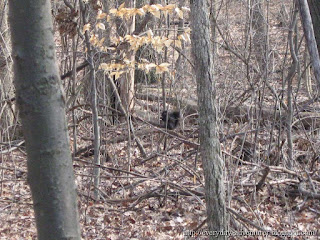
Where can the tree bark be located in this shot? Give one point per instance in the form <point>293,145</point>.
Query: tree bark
<point>310,40</point>
<point>42,108</point>
<point>314,6</point>
<point>213,164</point>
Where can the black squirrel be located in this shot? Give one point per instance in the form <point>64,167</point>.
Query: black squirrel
<point>170,119</point>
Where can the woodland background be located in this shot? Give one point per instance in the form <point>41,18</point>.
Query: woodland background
<point>146,182</point>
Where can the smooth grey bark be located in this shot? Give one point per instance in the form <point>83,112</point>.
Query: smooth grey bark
<point>42,109</point>
<point>213,164</point>
<point>310,40</point>
<point>314,6</point>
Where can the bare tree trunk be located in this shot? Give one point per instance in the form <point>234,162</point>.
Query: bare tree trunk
<point>314,6</point>
<point>213,164</point>
<point>213,26</point>
<point>310,39</point>
<point>259,33</point>
<point>293,50</point>
<point>42,109</point>
<point>94,106</point>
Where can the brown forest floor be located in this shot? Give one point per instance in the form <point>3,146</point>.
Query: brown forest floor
<point>163,195</point>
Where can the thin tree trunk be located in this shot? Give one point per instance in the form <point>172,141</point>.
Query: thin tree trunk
<point>42,108</point>
<point>289,79</point>
<point>213,164</point>
<point>94,106</point>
